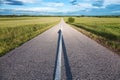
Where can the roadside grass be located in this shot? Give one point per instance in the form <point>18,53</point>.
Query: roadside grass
<point>106,31</point>
<point>20,21</point>
<point>13,33</point>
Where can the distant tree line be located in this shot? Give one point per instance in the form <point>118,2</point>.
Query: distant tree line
<point>27,16</point>
<point>100,16</point>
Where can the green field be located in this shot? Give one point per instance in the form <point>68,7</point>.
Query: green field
<point>105,30</point>
<point>14,31</point>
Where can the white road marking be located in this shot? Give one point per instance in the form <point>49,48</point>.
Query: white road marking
<point>58,67</point>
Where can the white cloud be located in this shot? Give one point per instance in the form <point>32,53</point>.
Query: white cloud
<point>88,4</point>
<point>27,1</point>
<point>67,10</point>
<point>85,6</point>
<point>23,1</point>
<point>36,9</point>
<point>54,4</point>
<point>42,10</point>
<point>109,2</point>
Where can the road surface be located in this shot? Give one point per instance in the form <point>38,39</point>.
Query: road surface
<point>82,58</point>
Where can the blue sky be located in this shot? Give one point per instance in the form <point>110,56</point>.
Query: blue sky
<point>60,7</point>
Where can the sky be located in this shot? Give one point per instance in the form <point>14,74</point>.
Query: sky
<point>60,7</point>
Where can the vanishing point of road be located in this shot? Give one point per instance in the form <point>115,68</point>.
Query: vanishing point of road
<point>81,58</point>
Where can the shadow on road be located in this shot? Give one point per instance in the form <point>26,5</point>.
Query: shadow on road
<point>66,60</point>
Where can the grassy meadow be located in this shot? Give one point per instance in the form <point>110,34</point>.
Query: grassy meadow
<point>104,30</point>
<point>14,31</point>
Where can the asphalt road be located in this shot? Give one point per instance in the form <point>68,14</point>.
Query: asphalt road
<point>82,58</point>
